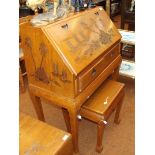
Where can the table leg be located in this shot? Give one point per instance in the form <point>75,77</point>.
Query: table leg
<point>74,129</point>
<point>37,106</point>
<point>67,119</point>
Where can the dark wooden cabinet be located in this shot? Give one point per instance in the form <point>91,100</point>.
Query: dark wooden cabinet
<point>127,15</point>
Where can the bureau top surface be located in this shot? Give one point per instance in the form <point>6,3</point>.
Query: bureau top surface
<point>36,136</point>
<point>81,38</point>
<point>100,101</point>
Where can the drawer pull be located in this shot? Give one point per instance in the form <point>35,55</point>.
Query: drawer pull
<point>96,13</point>
<point>93,72</point>
<point>65,26</point>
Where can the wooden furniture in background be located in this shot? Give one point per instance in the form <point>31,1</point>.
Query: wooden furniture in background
<point>108,7</point>
<point>128,64</point>
<point>21,72</point>
<point>112,7</point>
<point>21,81</point>
<point>101,104</point>
<point>36,137</point>
<point>115,7</point>
<point>127,44</point>
<point>23,20</point>
<point>127,15</point>
<point>66,61</point>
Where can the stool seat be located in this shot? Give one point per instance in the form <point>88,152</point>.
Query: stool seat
<point>101,100</point>
<point>101,104</point>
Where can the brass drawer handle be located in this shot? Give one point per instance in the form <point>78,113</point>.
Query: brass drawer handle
<point>93,72</point>
<point>65,26</point>
<point>96,13</point>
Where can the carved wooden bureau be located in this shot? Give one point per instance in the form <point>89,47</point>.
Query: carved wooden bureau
<point>66,61</point>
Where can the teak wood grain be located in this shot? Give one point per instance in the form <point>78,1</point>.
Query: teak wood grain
<point>36,137</point>
<point>58,54</point>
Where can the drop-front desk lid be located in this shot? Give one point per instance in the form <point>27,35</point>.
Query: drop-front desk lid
<point>81,38</point>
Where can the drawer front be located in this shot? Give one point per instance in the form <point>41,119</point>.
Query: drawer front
<point>95,70</point>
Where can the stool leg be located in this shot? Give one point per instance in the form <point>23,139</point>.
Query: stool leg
<point>67,119</point>
<point>118,109</point>
<point>100,129</point>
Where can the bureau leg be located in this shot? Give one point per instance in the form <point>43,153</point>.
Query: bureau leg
<point>118,109</point>
<point>74,129</point>
<point>37,106</point>
<point>67,119</point>
<point>100,129</point>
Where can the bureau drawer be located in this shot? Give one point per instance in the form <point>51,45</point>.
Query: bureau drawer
<point>85,78</point>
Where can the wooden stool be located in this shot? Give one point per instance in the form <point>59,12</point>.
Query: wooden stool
<point>101,104</point>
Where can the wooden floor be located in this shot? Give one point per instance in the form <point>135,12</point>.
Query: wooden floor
<point>117,140</point>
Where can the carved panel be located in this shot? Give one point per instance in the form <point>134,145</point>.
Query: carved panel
<point>40,73</point>
<point>43,49</point>
<point>61,75</point>
<point>28,42</point>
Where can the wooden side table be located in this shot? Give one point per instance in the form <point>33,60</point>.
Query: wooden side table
<point>36,137</point>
